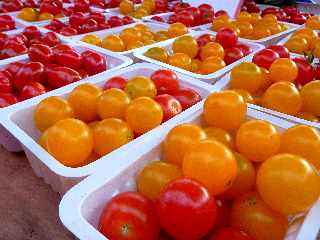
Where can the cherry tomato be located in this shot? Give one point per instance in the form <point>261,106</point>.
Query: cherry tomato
<point>305,71</point>
<point>57,23</point>
<point>211,65</point>
<point>227,37</point>
<point>211,49</point>
<point>139,86</point>
<point>30,72</point>
<point>186,199</point>
<point>187,97</point>
<point>129,215</point>
<point>247,97</point>
<point>89,26</point>
<point>311,97</point>
<point>77,19</point>
<point>219,135</point>
<point>170,106</point>
<point>61,48</point>
<point>283,69</point>
<point>232,55</point>
<point>7,99</point>
<point>180,60</point>
<point>265,58</point>
<point>12,49</point>
<point>61,76</point>
<point>98,17</point>
<point>68,31</point>
<point>41,53</point>
<point>177,29</point>
<point>69,58</point>
<point>93,62</point>
<point>31,90</point>
<point>185,18</point>
<point>113,43</point>
<point>165,81</point>
<point>230,233</point>
<point>5,81</point>
<point>158,54</point>
<point>186,45</point>
<point>115,82</point>
<point>226,110</point>
<point>50,39</point>
<point>31,32</point>
<point>204,39</point>
<point>281,50</point>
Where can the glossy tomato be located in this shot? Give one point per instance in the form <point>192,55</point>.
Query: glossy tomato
<point>32,32</point>
<point>187,97</point>
<point>30,72</point>
<point>94,62</point>
<point>204,39</point>
<point>227,37</point>
<point>5,81</point>
<point>61,76</point>
<point>31,90</point>
<point>68,31</point>
<point>115,82</point>
<point>265,58</point>
<point>186,210</point>
<point>166,81</point>
<point>50,39</point>
<point>230,234</point>
<point>14,67</point>
<point>281,50</point>
<point>232,55</point>
<point>305,71</point>
<point>98,17</point>
<point>41,53</point>
<point>61,47</point>
<point>7,99</point>
<point>89,26</point>
<point>170,106</point>
<point>139,86</point>
<point>69,58</point>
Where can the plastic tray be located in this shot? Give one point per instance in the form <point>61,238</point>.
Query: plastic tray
<point>12,144</point>
<point>81,207</point>
<point>273,39</point>
<point>210,78</point>
<point>18,120</point>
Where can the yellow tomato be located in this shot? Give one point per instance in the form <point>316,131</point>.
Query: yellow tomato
<point>113,43</point>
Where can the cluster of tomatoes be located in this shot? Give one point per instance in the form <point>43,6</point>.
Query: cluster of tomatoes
<point>204,55</point>
<point>14,45</point>
<point>232,179</point>
<point>47,68</point>
<point>135,37</point>
<point>93,121</point>
<point>80,23</point>
<point>16,5</point>
<point>7,23</point>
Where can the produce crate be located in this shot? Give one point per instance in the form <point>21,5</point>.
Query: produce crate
<point>18,120</point>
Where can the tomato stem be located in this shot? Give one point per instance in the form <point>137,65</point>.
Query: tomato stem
<point>125,229</point>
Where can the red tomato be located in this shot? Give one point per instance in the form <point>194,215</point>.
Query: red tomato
<point>232,54</point>
<point>170,106</point>
<point>52,7</point>
<point>14,67</point>
<point>195,12</point>
<point>227,37</point>
<point>223,214</point>
<point>83,74</point>
<point>30,72</point>
<point>157,18</point>
<point>77,19</point>
<point>127,216</point>
<point>204,39</point>
<point>12,49</point>
<point>230,234</point>
<point>186,210</point>
<point>220,13</point>
<point>265,58</point>
<point>179,6</point>
<point>298,19</point>
<point>187,97</point>
<point>7,20</point>
<point>281,50</point>
<point>115,21</point>
<point>49,67</point>
<point>172,19</point>
<point>68,31</point>
<point>82,6</point>
<point>61,48</point>
<point>165,80</point>
<point>104,25</point>
<point>317,71</point>
<point>41,53</point>
<point>305,71</point>
<point>69,58</point>
<point>32,32</point>
<point>207,17</point>
<point>89,26</point>
<point>98,17</point>
<point>31,90</point>
<point>7,99</point>
<point>186,18</point>
<point>61,76</point>
<point>57,23</point>
<point>5,82</point>
<point>94,62</point>
<point>204,8</point>
<point>161,5</point>
<point>50,39</point>
<point>127,20</point>
<point>115,82</point>
<point>3,38</point>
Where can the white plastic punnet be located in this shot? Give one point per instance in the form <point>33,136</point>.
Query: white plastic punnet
<point>210,78</point>
<point>18,120</point>
<point>81,207</point>
<point>11,143</point>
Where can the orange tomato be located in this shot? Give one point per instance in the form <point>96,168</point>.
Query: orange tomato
<point>313,22</point>
<point>176,29</point>
<point>245,28</point>
<point>211,65</point>
<point>266,81</point>
<point>244,17</point>
<point>283,70</point>
<point>186,45</point>
<point>310,94</point>
<point>140,86</point>
<point>130,35</point>
<point>157,53</point>
<point>180,60</point>
<point>45,16</point>
<point>307,116</point>
<point>92,39</point>
<point>220,135</point>
<point>113,43</point>
<point>126,7</point>
<point>134,45</point>
<point>211,49</point>
<point>260,32</point>
<point>297,45</point>
<point>28,14</point>
<point>247,97</point>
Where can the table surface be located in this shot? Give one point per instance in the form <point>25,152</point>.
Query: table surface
<point>28,206</point>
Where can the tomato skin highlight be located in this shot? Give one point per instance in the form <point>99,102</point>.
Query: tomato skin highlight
<point>170,106</point>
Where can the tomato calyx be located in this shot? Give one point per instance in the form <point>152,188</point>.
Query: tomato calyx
<point>125,229</point>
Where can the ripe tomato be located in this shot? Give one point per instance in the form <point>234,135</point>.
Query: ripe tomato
<point>5,81</point>
<point>245,49</point>
<point>7,99</point>
<point>220,135</point>
<point>227,37</point>
<point>31,90</point>
<point>288,183</point>
<point>61,76</point>
<point>166,81</point>
<point>257,140</point>
<point>283,69</point>
<point>140,86</point>
<point>265,58</point>
<point>155,177</point>
<point>247,76</point>
<point>112,104</point>
<point>93,62</point>
<point>41,53</point>
<point>69,58</point>
<point>217,156</point>
<point>68,31</point>
<point>129,215</point>
<point>110,134</point>
<point>230,233</point>
<point>50,39</point>
<point>232,55</point>
<point>305,71</point>
<point>180,60</point>
<point>186,210</point>
<point>32,32</point>
<point>211,65</point>
<point>14,68</point>
<point>186,45</point>
<point>211,49</point>
<point>281,50</point>
<point>250,214</point>
<point>61,48</point>
<point>113,43</point>
<point>71,134</point>
<point>226,110</point>
<point>177,29</point>
<point>311,97</point>
<point>170,106</point>
<point>303,141</point>
<point>185,18</point>
<point>187,97</point>
<point>143,114</point>
<point>83,100</point>
<point>204,39</point>
<point>30,72</point>
<point>157,53</point>
<point>282,97</point>
<point>115,82</point>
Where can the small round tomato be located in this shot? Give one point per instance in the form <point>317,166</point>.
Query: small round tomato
<point>14,68</point>
<point>7,99</point>
<point>5,81</point>
<point>139,86</point>
<point>180,60</point>
<point>187,97</point>
<point>230,233</point>
<point>226,110</point>
<point>143,114</point>
<point>41,53</point>
<point>265,58</point>
<point>115,82</point>
<point>112,104</point>
<point>50,39</point>
<point>186,45</point>
<point>232,55</point>
<point>93,62</point>
<point>170,106</point>
<point>247,97</point>
<point>186,199</point>
<point>227,37</point>
<point>30,72</point>
<point>166,81</point>
<point>129,215</point>
<point>158,54</point>
<point>69,58</point>
<point>305,71</point>
<point>110,134</point>
<point>31,90</point>
<point>245,49</point>
<point>250,214</point>
<point>297,45</point>
<point>31,32</point>
<point>281,50</point>
<point>61,76</point>
<point>61,48</point>
<point>113,43</point>
<point>310,94</point>
<point>220,135</point>
<point>177,29</point>
<point>204,39</point>
<point>211,49</point>
<point>130,35</point>
<point>68,31</point>
<point>155,177</point>
<point>211,65</point>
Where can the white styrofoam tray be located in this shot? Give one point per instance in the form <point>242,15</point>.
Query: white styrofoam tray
<point>18,120</point>
<point>273,39</point>
<point>210,78</point>
<point>81,207</point>
<point>11,143</point>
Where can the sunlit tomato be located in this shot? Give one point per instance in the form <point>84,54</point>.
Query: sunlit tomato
<point>313,22</point>
<point>129,35</point>
<point>230,233</point>
<point>247,97</point>
<point>211,65</point>
<point>93,62</point>
<point>310,94</point>
<point>260,32</point>
<point>180,60</point>
<point>113,43</point>
<point>181,139</point>
<point>186,45</point>
<point>115,82</point>
<point>28,14</point>
<point>129,215</point>
<point>177,29</point>
<point>227,37</point>
<point>51,110</point>
<point>71,134</point>
<point>186,199</point>
<point>50,39</point>
<point>77,19</point>
<point>133,45</point>
<point>232,55</point>
<point>83,100</point>
<point>250,214</point>
<point>220,135</point>
<point>217,156</point>
<point>288,183</point>
<point>31,90</point>
<point>226,110</point>
<point>157,53</point>
<point>186,96</point>
<point>220,23</point>
<point>257,140</point>
<point>155,177</point>
<point>211,49</point>
<point>112,104</point>
<point>265,58</point>
<point>30,72</point>
<point>245,49</point>
<point>41,53</point>
<point>110,134</point>
<point>305,71</point>
<point>166,81</point>
<point>7,99</point>
<point>143,114</point>
<point>61,76</point>
<point>247,76</point>
<point>281,50</point>
<point>170,106</point>
<point>204,39</point>
<point>32,32</point>
<point>61,48</point>
<point>297,45</point>
<point>5,81</point>
<point>69,58</point>
<point>245,28</point>
<point>92,39</point>
<point>303,141</point>
<point>139,86</point>
<point>282,97</point>
<point>68,31</point>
